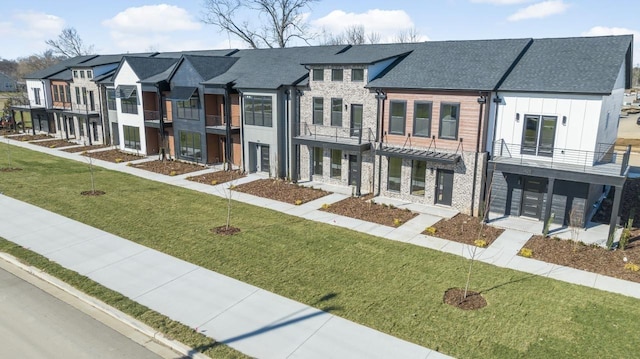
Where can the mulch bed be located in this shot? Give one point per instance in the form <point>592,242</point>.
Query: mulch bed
<point>223,230</point>
<point>455,297</point>
<point>115,156</point>
<point>362,208</point>
<point>93,193</point>
<point>169,168</point>
<point>589,258</point>
<point>219,177</point>
<point>464,229</point>
<point>30,137</point>
<point>281,190</point>
<point>630,200</point>
<point>55,143</point>
<point>10,169</point>
<point>84,148</point>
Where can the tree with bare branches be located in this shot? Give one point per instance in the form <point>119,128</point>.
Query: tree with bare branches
<point>352,35</point>
<point>69,44</point>
<point>410,35</point>
<point>280,20</point>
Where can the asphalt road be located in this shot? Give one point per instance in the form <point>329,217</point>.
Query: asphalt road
<point>35,323</point>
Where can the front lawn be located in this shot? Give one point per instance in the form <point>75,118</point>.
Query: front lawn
<point>390,286</point>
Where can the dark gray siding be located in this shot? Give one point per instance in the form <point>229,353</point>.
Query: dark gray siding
<point>569,195</point>
<point>506,194</point>
<point>186,76</point>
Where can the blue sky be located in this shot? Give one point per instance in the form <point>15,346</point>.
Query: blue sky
<point>118,26</point>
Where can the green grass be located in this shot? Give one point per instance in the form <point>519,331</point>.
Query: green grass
<point>393,287</point>
<point>170,328</point>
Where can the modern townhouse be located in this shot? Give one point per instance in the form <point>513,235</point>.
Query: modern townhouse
<point>552,152</point>
<point>339,114</point>
<point>267,81</point>
<point>434,115</point>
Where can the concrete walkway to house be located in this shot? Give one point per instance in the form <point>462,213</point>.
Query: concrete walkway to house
<point>326,335</point>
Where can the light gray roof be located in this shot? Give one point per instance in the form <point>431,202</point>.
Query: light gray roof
<point>363,54</point>
<point>210,66</point>
<point>60,66</point>
<point>178,54</point>
<point>109,59</point>
<point>576,65</point>
<point>146,67</point>
<point>270,68</point>
<point>453,65</point>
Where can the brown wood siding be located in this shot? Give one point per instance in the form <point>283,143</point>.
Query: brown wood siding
<point>63,100</point>
<point>237,149</point>
<point>467,126</point>
<point>149,101</point>
<point>235,112</point>
<point>213,148</point>
<point>213,104</point>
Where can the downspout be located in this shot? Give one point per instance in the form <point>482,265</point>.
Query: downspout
<point>241,101</point>
<point>163,150</point>
<point>481,100</point>
<point>287,100</point>
<point>105,130</point>
<point>380,96</point>
<point>227,118</point>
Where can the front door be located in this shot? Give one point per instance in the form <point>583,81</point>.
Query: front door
<point>444,187</point>
<point>532,194</point>
<point>356,120</point>
<point>264,158</point>
<point>92,101</point>
<point>353,170</point>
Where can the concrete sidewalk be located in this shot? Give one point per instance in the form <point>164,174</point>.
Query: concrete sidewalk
<point>256,322</point>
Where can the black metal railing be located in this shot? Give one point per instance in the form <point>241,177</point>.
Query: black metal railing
<point>336,134</point>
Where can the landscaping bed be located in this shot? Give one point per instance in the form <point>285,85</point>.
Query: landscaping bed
<point>29,137</point>
<point>362,208</point>
<point>629,201</point>
<point>169,168</point>
<point>115,156</point>
<point>55,143</point>
<point>84,148</point>
<point>280,190</point>
<point>590,258</point>
<point>219,177</point>
<point>464,229</point>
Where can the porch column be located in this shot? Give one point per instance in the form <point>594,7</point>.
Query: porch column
<point>228,147</point>
<point>615,210</point>
<point>487,193</point>
<point>359,174</point>
<point>547,207</point>
<point>88,130</point>
<point>33,122</point>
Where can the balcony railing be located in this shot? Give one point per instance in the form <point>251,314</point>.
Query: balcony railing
<point>219,120</point>
<point>603,159</point>
<point>336,134</point>
<point>151,115</point>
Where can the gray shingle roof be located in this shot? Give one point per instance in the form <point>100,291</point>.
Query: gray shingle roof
<point>453,65</point>
<point>363,54</point>
<point>178,54</point>
<point>270,68</point>
<point>109,59</point>
<point>210,66</point>
<point>61,66</point>
<point>106,78</point>
<point>578,65</point>
<point>145,67</point>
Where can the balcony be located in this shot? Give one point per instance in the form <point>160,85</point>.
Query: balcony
<point>356,139</point>
<point>604,161</point>
<point>216,124</point>
<point>152,119</point>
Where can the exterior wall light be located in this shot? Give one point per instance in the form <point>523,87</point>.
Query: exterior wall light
<point>517,117</point>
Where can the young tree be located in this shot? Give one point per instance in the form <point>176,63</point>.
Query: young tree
<point>69,44</point>
<point>279,20</point>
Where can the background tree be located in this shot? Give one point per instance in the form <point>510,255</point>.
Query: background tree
<point>279,20</point>
<point>35,62</point>
<point>410,35</point>
<point>352,35</point>
<point>69,44</point>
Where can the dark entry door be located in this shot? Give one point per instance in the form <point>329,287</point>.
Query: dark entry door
<point>353,170</point>
<point>264,158</point>
<point>356,120</point>
<point>444,187</point>
<point>532,194</point>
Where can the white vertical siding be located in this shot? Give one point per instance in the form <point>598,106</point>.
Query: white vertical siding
<point>126,76</point>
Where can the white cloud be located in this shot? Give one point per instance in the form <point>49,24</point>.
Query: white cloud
<point>163,27</point>
<point>152,18</point>
<point>26,31</point>
<point>540,10</point>
<point>606,31</point>
<point>387,23</point>
<point>500,2</point>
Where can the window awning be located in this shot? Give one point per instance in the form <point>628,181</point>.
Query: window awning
<point>125,91</point>
<point>181,93</point>
<point>419,155</point>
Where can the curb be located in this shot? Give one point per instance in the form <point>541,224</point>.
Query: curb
<point>176,346</point>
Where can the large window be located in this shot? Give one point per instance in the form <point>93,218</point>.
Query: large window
<point>188,109</point>
<point>81,74</point>
<point>449,117</point>
<point>357,75</point>
<point>56,95</point>
<point>394,174</point>
<point>131,137</point>
<point>111,99</point>
<point>336,75</point>
<point>418,174</point>
<point>67,90</point>
<point>317,160</point>
<point>258,110</point>
<point>336,164</point>
<point>422,119</point>
<point>336,112</point>
<point>78,100</point>
<point>130,104</point>
<point>36,95</point>
<point>318,74</point>
<point>318,110</point>
<point>190,146</point>
<point>539,135</point>
<point>84,95</point>
<point>89,74</point>
<point>397,119</point>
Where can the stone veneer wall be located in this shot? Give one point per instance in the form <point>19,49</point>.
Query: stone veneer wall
<point>366,172</point>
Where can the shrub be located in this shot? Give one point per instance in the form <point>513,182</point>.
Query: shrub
<point>214,182</point>
<point>232,187</point>
<point>325,206</point>
<point>431,230</point>
<point>298,202</point>
<point>632,267</point>
<point>397,222</point>
<point>480,243</point>
<point>173,173</point>
<point>526,252</point>
<point>52,146</point>
<point>118,160</point>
